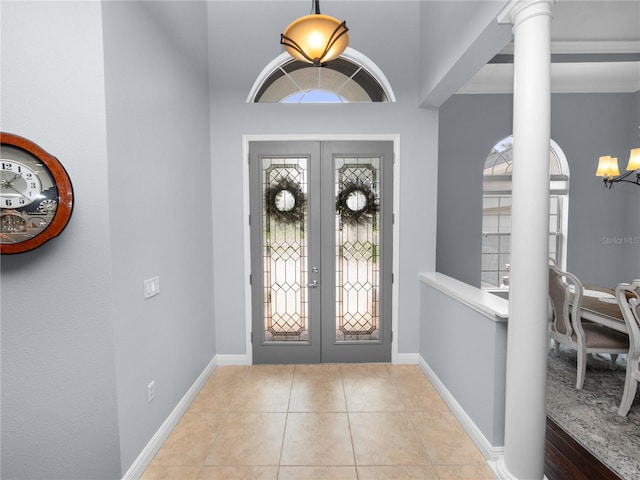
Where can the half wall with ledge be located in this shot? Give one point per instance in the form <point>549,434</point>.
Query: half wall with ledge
<point>463,352</point>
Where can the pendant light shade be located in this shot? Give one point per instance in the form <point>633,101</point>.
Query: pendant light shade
<point>607,167</point>
<point>315,38</point>
<point>634,159</point>
<point>610,173</point>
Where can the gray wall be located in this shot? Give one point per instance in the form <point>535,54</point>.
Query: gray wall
<point>59,404</point>
<point>469,126</point>
<point>79,342</point>
<point>157,99</point>
<point>585,126</point>
<point>232,117</point>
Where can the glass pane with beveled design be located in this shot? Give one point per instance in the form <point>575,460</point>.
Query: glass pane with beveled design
<point>357,189</point>
<point>284,187</point>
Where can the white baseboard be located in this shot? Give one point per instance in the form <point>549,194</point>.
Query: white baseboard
<point>406,359</point>
<point>491,453</point>
<point>226,360</point>
<point>144,459</point>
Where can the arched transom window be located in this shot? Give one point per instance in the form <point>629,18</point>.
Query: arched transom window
<point>350,78</point>
<point>496,212</point>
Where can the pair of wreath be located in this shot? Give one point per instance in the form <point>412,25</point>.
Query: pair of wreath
<point>285,202</point>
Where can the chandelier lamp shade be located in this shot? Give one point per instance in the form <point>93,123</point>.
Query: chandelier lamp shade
<point>610,173</point>
<point>315,38</point>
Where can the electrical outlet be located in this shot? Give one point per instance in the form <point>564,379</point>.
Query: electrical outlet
<point>151,391</point>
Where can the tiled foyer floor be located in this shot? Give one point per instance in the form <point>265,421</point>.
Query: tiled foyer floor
<point>306,422</point>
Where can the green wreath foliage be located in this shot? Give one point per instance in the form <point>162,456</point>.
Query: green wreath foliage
<point>366,213</point>
<point>293,215</point>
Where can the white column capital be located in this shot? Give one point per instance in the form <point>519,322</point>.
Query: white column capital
<point>517,11</point>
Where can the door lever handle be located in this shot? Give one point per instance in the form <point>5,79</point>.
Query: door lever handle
<point>313,284</point>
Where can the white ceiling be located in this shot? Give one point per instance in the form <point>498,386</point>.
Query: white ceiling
<point>608,22</point>
<point>609,29</point>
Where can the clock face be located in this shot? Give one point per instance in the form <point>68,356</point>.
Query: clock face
<point>19,185</point>
<point>36,197</point>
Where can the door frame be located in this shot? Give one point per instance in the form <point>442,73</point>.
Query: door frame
<point>246,139</point>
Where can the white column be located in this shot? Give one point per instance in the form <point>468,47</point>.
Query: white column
<point>527,343</point>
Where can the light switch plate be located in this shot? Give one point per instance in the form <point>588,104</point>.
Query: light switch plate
<point>151,391</point>
<point>151,287</point>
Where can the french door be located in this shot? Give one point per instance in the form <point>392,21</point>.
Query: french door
<point>321,251</point>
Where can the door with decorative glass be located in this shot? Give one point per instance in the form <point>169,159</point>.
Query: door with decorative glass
<point>321,251</point>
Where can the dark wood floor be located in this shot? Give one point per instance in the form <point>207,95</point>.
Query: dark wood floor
<point>566,459</point>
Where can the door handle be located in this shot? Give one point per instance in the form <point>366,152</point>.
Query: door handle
<point>313,284</point>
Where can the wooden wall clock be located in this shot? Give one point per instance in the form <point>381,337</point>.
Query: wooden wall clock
<point>36,195</point>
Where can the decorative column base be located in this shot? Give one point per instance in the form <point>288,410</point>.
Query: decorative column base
<point>503,472</point>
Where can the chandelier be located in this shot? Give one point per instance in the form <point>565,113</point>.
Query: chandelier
<point>315,38</point>
<point>610,173</point>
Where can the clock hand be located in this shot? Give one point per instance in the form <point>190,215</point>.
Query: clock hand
<point>8,183</point>
<point>16,190</point>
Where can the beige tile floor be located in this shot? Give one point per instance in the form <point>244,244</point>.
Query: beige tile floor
<point>312,422</point>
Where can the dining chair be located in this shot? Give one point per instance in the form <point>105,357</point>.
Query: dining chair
<point>568,328</point>
<point>628,296</point>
